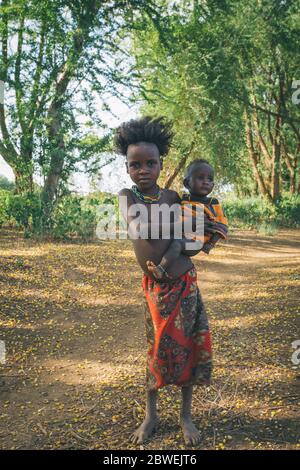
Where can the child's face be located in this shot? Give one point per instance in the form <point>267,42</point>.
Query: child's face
<point>143,164</point>
<point>201,180</point>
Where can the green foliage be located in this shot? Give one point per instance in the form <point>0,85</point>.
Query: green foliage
<point>219,62</point>
<point>69,219</point>
<point>25,210</point>
<point>5,183</point>
<point>257,212</point>
<point>288,210</point>
<point>72,57</point>
<point>248,212</point>
<point>73,216</point>
<point>97,198</point>
<point>267,228</point>
<point>4,195</point>
<point>77,216</point>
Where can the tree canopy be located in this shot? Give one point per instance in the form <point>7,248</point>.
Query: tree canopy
<point>225,73</point>
<point>57,59</point>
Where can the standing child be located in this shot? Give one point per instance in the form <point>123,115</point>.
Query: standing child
<point>199,180</point>
<point>177,329</point>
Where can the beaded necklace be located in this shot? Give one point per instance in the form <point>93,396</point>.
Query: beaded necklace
<point>144,197</point>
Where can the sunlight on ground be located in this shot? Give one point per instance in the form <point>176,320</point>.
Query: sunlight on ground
<point>72,320</point>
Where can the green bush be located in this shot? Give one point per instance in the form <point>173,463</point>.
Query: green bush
<point>257,212</point>
<point>267,228</point>
<point>102,198</point>
<point>288,210</point>
<point>74,216</point>
<point>77,216</point>
<point>25,210</point>
<point>4,195</point>
<point>248,212</point>
<point>6,184</point>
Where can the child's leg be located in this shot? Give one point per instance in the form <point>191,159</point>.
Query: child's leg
<point>190,432</point>
<point>150,421</point>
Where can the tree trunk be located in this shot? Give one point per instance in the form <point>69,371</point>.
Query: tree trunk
<point>291,164</point>
<point>57,159</point>
<point>179,167</point>
<point>275,177</point>
<point>254,159</point>
<point>55,129</point>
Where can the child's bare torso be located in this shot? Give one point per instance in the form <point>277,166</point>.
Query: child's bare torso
<point>153,250</point>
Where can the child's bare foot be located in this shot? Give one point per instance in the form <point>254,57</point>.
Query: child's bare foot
<point>144,430</point>
<point>191,434</point>
<point>155,270</point>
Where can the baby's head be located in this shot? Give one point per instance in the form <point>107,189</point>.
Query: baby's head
<point>199,178</point>
<point>144,142</point>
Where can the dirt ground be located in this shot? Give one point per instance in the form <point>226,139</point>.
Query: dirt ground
<point>72,321</point>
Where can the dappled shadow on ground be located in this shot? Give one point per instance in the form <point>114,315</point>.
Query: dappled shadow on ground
<point>72,320</point>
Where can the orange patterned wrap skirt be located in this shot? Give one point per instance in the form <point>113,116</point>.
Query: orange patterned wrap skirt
<point>178,336</point>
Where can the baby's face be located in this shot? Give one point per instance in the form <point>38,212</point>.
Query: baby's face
<point>201,180</point>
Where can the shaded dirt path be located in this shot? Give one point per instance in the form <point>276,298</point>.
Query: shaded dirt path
<point>72,322</point>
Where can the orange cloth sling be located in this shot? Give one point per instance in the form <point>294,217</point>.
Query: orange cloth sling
<point>212,208</point>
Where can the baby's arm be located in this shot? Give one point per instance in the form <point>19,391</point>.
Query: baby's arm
<point>186,246</point>
<point>175,249</point>
<point>211,243</point>
<point>221,228</point>
<point>172,253</point>
<point>177,246</point>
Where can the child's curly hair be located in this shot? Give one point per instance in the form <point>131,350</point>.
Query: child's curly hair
<point>156,131</point>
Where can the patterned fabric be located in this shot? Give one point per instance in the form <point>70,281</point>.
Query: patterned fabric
<point>177,333</point>
<point>212,208</point>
